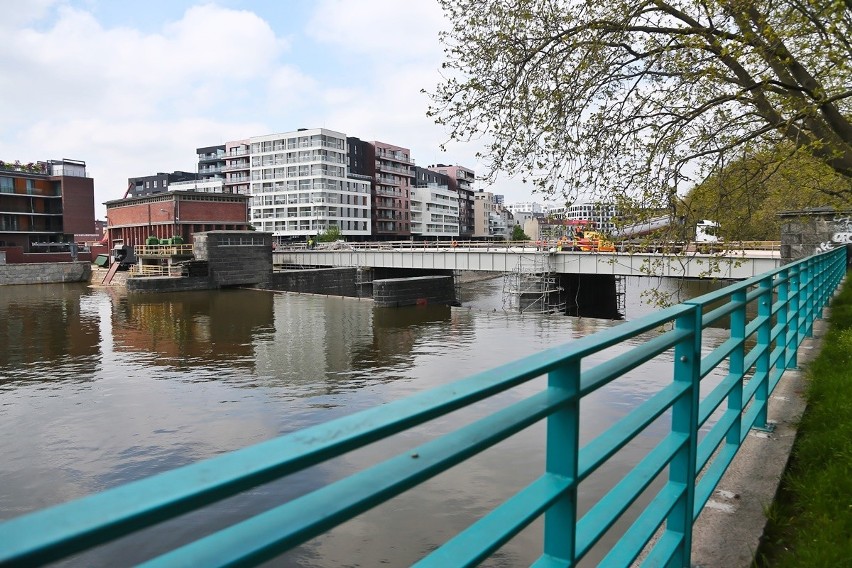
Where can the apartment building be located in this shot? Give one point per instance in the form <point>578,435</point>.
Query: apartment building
<point>237,167</point>
<point>391,170</point>
<point>461,181</point>
<point>211,162</point>
<point>490,219</point>
<point>300,186</point>
<point>601,213</point>
<point>434,206</point>
<point>43,205</point>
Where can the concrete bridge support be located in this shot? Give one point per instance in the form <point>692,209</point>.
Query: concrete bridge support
<point>590,295</point>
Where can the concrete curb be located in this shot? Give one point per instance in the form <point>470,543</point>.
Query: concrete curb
<point>728,530</point>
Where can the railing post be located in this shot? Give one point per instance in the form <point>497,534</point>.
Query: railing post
<point>791,334</point>
<point>809,307</point>
<point>563,447</point>
<point>687,367</point>
<point>736,366</point>
<point>764,333</point>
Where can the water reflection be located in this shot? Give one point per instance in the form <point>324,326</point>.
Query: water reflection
<point>164,380</point>
<point>57,329</point>
<point>192,327</point>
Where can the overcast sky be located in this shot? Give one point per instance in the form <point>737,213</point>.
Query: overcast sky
<point>134,88</point>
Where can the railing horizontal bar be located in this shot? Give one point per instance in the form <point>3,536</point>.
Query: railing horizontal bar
<point>546,561</point>
<point>751,387</point>
<point>714,315</point>
<point>611,506</point>
<point>712,401</point>
<point>711,440</point>
<point>776,332</point>
<point>750,416</point>
<point>712,474</point>
<point>266,535</point>
<point>775,377</point>
<point>479,540</point>
<point>753,325</point>
<point>756,293</point>
<point>628,547</point>
<point>719,354</point>
<point>777,307</point>
<point>753,355</point>
<point>619,434</point>
<point>623,363</point>
<point>663,550</point>
<point>775,356</point>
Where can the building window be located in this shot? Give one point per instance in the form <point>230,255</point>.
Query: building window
<point>7,185</point>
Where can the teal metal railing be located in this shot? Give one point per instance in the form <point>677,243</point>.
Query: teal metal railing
<point>769,316</point>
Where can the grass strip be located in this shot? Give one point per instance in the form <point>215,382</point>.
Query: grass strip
<point>810,522</point>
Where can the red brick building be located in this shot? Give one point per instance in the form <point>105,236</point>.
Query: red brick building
<point>43,206</point>
<point>175,213</point>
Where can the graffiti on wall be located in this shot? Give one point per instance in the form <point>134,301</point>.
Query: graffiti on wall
<point>842,235</point>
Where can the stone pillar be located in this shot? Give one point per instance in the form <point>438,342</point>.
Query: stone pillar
<point>809,231</point>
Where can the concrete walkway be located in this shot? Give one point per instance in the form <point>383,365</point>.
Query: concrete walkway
<point>728,531</point>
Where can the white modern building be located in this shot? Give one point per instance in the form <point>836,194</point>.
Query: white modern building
<point>600,213</point>
<point>530,207</point>
<point>300,185</point>
<point>434,211</point>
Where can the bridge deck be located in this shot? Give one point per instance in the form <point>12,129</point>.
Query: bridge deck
<point>737,264</point>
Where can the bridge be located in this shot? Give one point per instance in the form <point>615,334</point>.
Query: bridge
<point>732,263</point>
<point>767,317</point>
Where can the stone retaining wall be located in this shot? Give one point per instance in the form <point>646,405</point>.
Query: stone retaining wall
<point>235,258</point>
<point>47,273</point>
<point>328,281</point>
<point>167,284</point>
<point>397,292</point>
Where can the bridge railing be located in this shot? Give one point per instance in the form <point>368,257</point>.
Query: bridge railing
<point>768,317</point>
<point>511,246</point>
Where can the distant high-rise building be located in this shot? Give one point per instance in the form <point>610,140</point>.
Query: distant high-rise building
<point>489,217</point>
<point>600,213</point>
<point>525,207</point>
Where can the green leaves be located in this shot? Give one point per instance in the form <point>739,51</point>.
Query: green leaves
<point>605,98</point>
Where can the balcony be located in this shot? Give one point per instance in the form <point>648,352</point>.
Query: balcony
<point>385,167</point>
<point>394,155</point>
<point>234,167</point>
<point>219,157</point>
<point>388,180</point>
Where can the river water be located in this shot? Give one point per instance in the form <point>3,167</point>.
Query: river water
<point>98,388</point>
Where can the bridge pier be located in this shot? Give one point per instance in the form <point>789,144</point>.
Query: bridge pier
<point>590,295</point>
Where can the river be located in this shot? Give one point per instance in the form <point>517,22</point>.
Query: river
<point>98,388</point>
